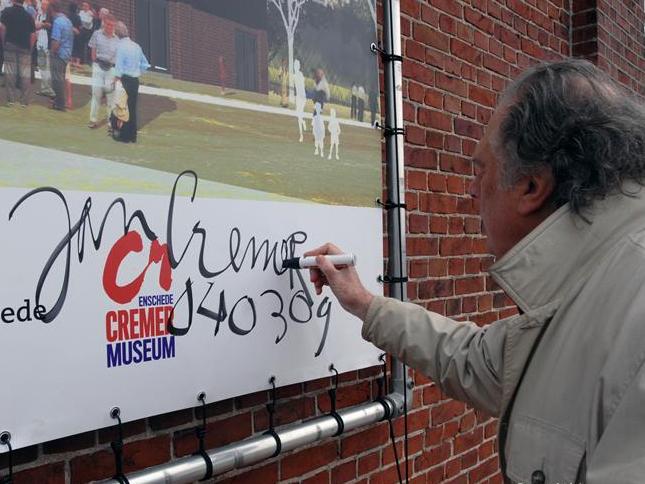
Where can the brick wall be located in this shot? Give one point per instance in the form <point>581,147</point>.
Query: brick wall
<point>459,56</point>
<point>198,39</point>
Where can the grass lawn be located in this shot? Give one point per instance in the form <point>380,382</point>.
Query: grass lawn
<point>238,147</point>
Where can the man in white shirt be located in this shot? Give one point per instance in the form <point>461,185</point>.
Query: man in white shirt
<point>103,46</point>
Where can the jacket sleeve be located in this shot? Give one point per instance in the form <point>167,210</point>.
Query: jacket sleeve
<point>619,456</point>
<point>464,360</point>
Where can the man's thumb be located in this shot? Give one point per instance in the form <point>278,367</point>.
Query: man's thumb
<point>326,267</point>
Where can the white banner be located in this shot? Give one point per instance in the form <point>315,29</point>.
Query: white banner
<point>84,307</point>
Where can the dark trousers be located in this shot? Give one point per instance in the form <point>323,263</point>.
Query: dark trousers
<point>58,67</point>
<point>128,132</point>
<point>1,57</point>
<point>360,110</point>
<point>352,113</point>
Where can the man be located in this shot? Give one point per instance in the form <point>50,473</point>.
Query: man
<point>43,29</point>
<point>103,45</point>
<point>62,40</point>
<point>18,32</point>
<point>130,64</point>
<point>559,176</point>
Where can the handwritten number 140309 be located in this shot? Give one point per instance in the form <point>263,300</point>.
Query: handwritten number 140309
<point>298,308</point>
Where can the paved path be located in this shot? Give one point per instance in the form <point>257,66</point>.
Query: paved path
<point>31,166</point>
<point>220,101</point>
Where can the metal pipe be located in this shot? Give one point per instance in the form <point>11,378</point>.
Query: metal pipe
<point>260,447</point>
<point>396,225</point>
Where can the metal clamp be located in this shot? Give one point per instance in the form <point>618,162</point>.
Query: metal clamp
<point>332,399</point>
<point>384,55</point>
<point>389,131</point>
<point>117,448</point>
<point>391,280</point>
<point>5,439</point>
<point>382,388</point>
<point>200,431</point>
<point>271,409</point>
<point>390,205</point>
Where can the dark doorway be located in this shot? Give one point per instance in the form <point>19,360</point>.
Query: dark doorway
<point>152,32</point>
<point>246,61</point>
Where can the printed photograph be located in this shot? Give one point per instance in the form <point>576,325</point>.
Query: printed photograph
<point>263,99</point>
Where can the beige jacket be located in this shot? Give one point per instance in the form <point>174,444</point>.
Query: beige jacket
<point>579,413</point>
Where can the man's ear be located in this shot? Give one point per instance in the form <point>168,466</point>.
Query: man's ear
<point>535,192</point>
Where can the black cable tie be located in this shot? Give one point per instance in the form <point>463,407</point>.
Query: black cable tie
<point>200,431</point>
<point>5,439</point>
<point>382,389</point>
<point>390,205</point>
<point>391,280</point>
<point>332,400</point>
<point>117,448</point>
<point>384,55</point>
<point>388,130</point>
<point>271,409</point>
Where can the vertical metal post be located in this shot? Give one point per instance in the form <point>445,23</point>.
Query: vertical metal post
<point>396,223</point>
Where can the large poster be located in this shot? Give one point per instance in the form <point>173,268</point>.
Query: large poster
<point>158,167</point>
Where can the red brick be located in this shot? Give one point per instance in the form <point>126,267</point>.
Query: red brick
<point>432,457</point>
<point>285,412</point>
<point>449,6</point>
<point>46,474</point>
<point>20,456</point>
<point>367,439</point>
<point>479,20</point>
<point>218,433</point>
<point>455,164</point>
<point>431,37</point>
<point>70,444</point>
<point>346,396</point>
<point>446,411</point>
<point>368,463</point>
<point>344,472</point>
<point>469,440</point>
<point>136,455</point>
<point>469,285</point>
<point>268,473</point>
<point>320,478</point>
<point>468,128</point>
<point>481,95</point>
<point>451,84</point>
<point>307,460</point>
<point>434,119</point>
<point>465,51</point>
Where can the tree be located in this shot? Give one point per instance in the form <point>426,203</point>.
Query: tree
<point>290,13</point>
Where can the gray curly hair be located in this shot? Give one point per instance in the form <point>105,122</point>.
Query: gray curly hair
<point>569,116</point>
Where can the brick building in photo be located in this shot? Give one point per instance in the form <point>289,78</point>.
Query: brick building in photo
<point>459,56</point>
<point>207,41</point>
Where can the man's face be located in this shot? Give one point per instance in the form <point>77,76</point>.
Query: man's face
<point>108,27</point>
<point>500,220</point>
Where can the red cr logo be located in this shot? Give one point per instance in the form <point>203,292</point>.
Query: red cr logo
<point>132,242</point>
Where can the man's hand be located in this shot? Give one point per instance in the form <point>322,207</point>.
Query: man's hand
<point>344,282</point>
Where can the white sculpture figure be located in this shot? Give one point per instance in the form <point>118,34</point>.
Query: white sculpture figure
<point>334,132</point>
<point>318,128</point>
<point>301,96</point>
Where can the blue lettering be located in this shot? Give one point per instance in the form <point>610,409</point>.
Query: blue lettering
<point>136,346</point>
<point>113,355</point>
<point>146,349</point>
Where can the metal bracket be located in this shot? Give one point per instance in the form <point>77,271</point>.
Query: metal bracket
<point>271,409</point>
<point>117,447</point>
<point>384,55</point>
<point>391,280</point>
<point>200,431</point>
<point>5,439</point>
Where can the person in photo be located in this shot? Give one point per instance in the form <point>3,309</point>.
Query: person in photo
<point>301,97</point>
<point>18,33</point>
<point>62,40</point>
<point>334,133</point>
<point>43,28</point>
<point>131,63</point>
<point>318,129</point>
<point>103,46</point>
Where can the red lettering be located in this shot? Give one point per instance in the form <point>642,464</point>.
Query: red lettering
<point>134,324</point>
<point>129,243</point>
<point>123,324</point>
<point>110,333</point>
<point>159,319</point>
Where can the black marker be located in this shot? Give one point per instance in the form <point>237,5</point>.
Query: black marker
<point>305,262</point>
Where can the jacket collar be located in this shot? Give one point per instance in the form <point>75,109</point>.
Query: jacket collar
<point>564,248</point>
